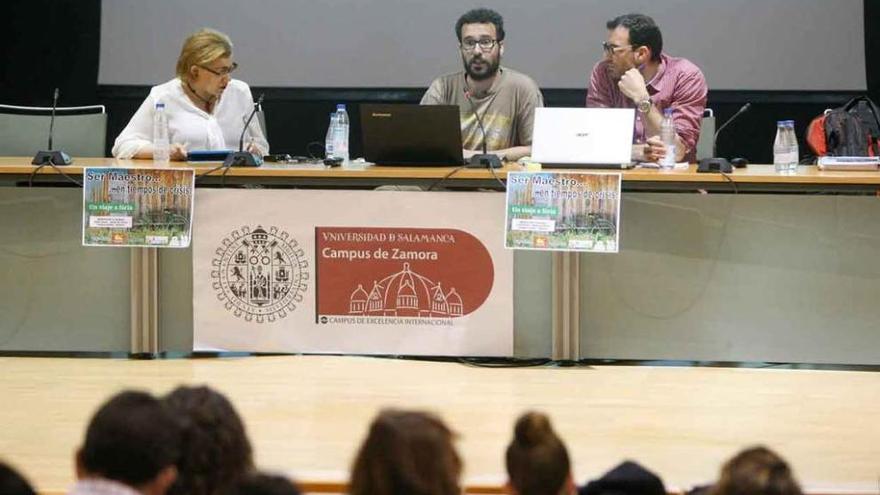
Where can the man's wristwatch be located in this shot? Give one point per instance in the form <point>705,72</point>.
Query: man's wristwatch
<point>644,106</point>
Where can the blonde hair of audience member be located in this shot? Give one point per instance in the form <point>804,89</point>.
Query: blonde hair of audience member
<point>406,452</point>
<point>756,471</point>
<point>537,460</point>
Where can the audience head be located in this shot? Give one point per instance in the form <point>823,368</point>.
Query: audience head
<point>205,64</point>
<point>132,439</point>
<point>627,478</point>
<point>216,450</point>
<point>12,483</point>
<point>262,484</point>
<point>756,471</point>
<point>406,452</point>
<point>537,460</point>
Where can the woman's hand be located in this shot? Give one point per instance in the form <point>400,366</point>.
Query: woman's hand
<point>178,152</point>
<point>253,149</point>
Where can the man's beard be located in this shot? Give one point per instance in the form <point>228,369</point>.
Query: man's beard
<point>614,73</point>
<point>490,69</point>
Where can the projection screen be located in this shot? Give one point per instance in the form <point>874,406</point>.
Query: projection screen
<point>739,44</point>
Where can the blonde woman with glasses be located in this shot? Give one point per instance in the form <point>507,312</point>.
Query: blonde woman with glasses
<point>205,106</point>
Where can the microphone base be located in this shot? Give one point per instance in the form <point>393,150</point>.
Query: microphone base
<point>242,159</point>
<point>484,161</point>
<point>57,158</point>
<point>714,166</point>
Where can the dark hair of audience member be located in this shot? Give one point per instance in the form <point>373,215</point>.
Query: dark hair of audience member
<point>216,450</point>
<point>481,16</point>
<point>262,484</point>
<point>13,483</point>
<point>756,471</point>
<point>642,32</point>
<point>406,452</point>
<point>132,439</point>
<point>537,460</point>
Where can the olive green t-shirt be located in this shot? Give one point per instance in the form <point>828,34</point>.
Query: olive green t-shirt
<point>507,109</point>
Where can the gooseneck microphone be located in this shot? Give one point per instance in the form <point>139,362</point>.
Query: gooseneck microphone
<point>249,119</point>
<point>242,158</point>
<point>716,163</point>
<point>745,108</point>
<point>51,156</point>
<point>52,119</point>
<point>484,160</point>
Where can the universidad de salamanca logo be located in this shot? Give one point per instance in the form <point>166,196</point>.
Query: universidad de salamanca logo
<point>260,275</point>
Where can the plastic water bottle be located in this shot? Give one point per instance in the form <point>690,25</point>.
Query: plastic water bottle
<point>794,152</point>
<point>161,144</point>
<point>780,149</point>
<point>667,135</point>
<point>329,148</point>
<point>784,156</point>
<point>340,141</point>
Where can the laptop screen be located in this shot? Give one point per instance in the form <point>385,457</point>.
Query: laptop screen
<point>411,135</point>
<point>583,136</point>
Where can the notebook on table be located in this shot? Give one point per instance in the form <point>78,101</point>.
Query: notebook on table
<point>207,155</point>
<point>854,163</point>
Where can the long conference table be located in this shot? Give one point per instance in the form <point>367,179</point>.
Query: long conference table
<point>752,266</point>
<point>753,178</point>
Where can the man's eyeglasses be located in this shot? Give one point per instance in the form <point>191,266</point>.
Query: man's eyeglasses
<point>486,44</point>
<point>610,48</point>
<point>222,71</point>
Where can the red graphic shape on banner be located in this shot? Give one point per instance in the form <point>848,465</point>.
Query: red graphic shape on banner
<point>400,272</point>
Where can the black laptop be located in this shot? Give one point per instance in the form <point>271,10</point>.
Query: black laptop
<point>411,135</point>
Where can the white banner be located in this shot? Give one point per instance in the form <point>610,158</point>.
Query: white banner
<point>360,272</point>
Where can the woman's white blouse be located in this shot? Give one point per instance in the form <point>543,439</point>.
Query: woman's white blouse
<point>192,126</point>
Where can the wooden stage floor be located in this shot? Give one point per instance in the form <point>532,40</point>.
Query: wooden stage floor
<point>307,414</point>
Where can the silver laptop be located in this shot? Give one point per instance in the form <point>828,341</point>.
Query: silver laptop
<point>583,137</point>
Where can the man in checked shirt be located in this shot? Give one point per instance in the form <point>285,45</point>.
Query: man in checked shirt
<point>635,73</point>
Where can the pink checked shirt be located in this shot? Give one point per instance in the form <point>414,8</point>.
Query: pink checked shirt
<point>678,84</point>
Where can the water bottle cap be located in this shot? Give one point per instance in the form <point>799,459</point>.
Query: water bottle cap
<point>667,111</point>
<point>781,123</point>
<point>340,106</point>
<point>160,105</point>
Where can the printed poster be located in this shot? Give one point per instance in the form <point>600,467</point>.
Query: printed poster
<point>563,211</point>
<point>137,207</point>
<point>354,272</point>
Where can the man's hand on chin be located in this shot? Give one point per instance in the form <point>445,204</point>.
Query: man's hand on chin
<point>632,85</point>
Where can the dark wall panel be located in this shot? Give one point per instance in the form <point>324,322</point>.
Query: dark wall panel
<point>872,47</point>
<point>48,44</point>
<point>297,117</point>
